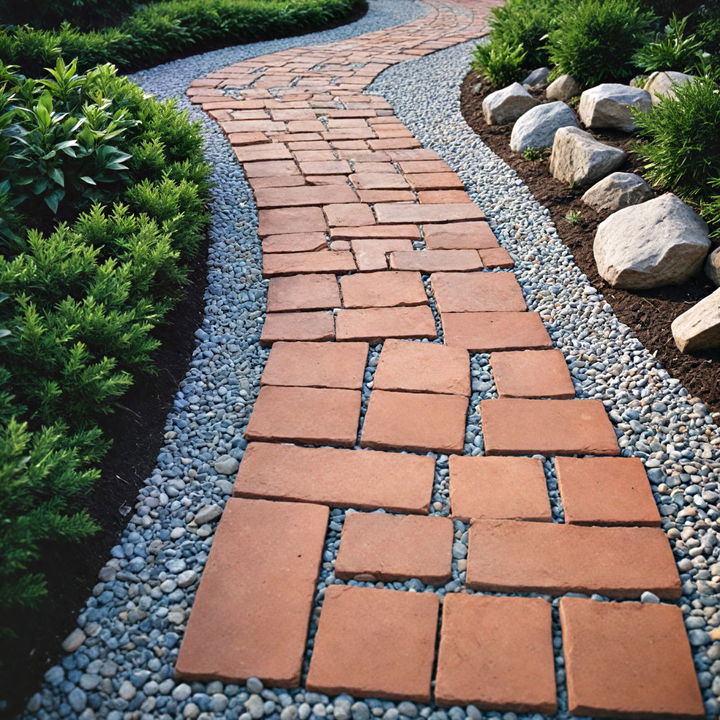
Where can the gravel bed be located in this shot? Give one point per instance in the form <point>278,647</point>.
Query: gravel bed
<point>120,660</point>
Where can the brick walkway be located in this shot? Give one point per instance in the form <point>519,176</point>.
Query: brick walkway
<point>355,218</point>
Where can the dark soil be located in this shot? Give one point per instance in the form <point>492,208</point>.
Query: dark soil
<point>650,312</point>
<point>136,431</point>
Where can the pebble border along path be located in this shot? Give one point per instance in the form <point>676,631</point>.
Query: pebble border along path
<point>316,150</point>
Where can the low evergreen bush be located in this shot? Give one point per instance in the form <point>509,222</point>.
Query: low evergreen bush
<point>498,63</point>
<point>673,49</point>
<point>595,41</point>
<point>107,190</point>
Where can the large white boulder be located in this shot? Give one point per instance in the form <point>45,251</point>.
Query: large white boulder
<point>563,88</point>
<point>659,242</point>
<point>660,84</point>
<point>608,106</point>
<point>616,191</point>
<point>580,160</point>
<point>507,105</point>
<point>537,127</point>
<point>698,328</point>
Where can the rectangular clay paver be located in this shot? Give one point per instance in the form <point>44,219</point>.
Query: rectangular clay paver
<point>294,242</point>
<point>417,213</point>
<point>415,421</point>
<point>409,232</point>
<point>477,291</point>
<point>383,289</point>
<point>321,416</point>
<point>496,258</point>
<point>282,221</point>
<point>498,487</point>
<point>308,195</point>
<point>377,324</point>
<point>628,660</point>
<point>555,558</point>
<point>496,653</point>
<point>532,374</point>
<point>379,546</point>
<point>488,331</point>
<point>517,426</point>
<point>371,254</point>
<point>375,643</point>
<point>362,479</point>
<point>430,261</point>
<point>320,261</point>
<point>298,326</point>
<point>312,364</point>
<point>606,491</point>
<point>303,292</point>
<point>457,236</point>
<point>422,367</point>
<point>434,181</point>
<point>251,612</point>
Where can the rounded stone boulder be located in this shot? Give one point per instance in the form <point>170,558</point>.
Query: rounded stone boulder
<point>662,84</point>
<point>616,191</point>
<point>712,266</point>
<point>563,88</point>
<point>608,106</point>
<point>659,242</point>
<point>507,105</point>
<point>698,328</point>
<point>537,127</point>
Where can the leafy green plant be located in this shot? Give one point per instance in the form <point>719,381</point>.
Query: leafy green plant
<point>573,217</point>
<point>498,63</point>
<point>533,154</point>
<point>49,13</point>
<point>596,40</point>
<point>674,49</point>
<point>681,148</point>
<point>710,209</point>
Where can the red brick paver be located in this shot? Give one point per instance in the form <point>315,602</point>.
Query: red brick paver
<point>516,426</point>
<point>489,331</point>
<point>498,487</point>
<point>428,261</point>
<point>532,374</point>
<point>622,562</point>
<point>297,326</point>
<point>377,643</point>
<point>383,289</point>
<point>606,491</point>
<point>477,292</point>
<point>245,581</point>
<point>628,660</point>
<point>457,236</point>
<point>497,654</point>
<point>377,546</point>
<point>303,292</point>
<point>365,479</point>
<point>377,324</point>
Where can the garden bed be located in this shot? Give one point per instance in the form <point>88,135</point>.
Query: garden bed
<point>648,313</point>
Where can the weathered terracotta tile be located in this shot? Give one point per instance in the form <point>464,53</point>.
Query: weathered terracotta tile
<point>371,254</point>
<point>320,261</point>
<point>349,215</point>
<point>628,660</point>
<point>266,151</point>
<point>303,292</point>
<point>318,416</point>
<point>378,324</point>
<point>479,662</point>
<point>422,367</point>
<point>409,213</point>
<point>497,258</point>
<point>316,364</point>
<point>516,426</point>
<point>243,622</point>
<point>443,196</point>
<point>489,331</point>
<point>294,242</point>
<point>430,261</point>
<point>461,235</point>
<point>498,488</point>
<point>393,143</point>
<point>555,558</point>
<point>477,291</point>
<point>410,232</point>
<point>382,289</point>
<point>276,181</point>
<point>327,167</point>
<point>424,166</point>
<point>378,196</point>
<point>379,181</point>
<point>378,546</point>
<point>606,491</point>
<point>362,479</point>
<point>283,221</point>
<point>298,326</point>
<point>415,421</point>
<point>376,643</point>
<point>271,168</point>
<point>307,195</point>
<point>435,181</point>
<point>532,374</point>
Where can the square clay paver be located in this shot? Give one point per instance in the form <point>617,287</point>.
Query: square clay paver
<point>477,292</point>
<point>375,643</point>
<point>498,487</point>
<point>497,654</point>
<point>532,374</point>
<point>318,416</point>
<point>378,546</point>
<point>310,364</point>
<point>628,660</point>
<point>423,367</point>
<point>386,288</point>
<point>415,421</point>
<point>303,292</point>
<point>606,491</point>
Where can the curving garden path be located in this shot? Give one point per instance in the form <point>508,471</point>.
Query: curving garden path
<point>533,464</point>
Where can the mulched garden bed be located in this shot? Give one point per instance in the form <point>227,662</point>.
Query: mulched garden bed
<point>649,312</point>
<point>136,432</point>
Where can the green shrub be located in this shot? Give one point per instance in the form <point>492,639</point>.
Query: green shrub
<point>498,63</point>
<point>595,41</point>
<point>710,209</point>
<point>161,31</point>
<point>681,150</point>
<point>673,49</point>
<point>49,13</point>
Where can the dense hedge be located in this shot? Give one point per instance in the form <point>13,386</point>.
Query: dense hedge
<point>165,30</point>
<point>50,13</point>
<point>102,192</point>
